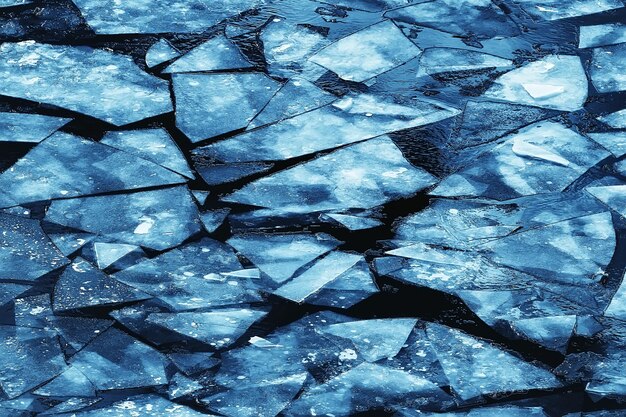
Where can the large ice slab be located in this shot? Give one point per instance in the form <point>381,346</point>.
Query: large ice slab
<point>541,158</point>
<point>26,253</point>
<point>614,142</point>
<point>352,119</point>
<point>367,53</point>
<point>616,120</point>
<point>364,175</point>
<point>608,68</point>
<point>550,332</point>
<point>71,383</point>
<point>216,54</point>
<point>30,128</point>
<point>155,145</point>
<point>601,35</point>
<point>111,17</point>
<point>146,405</point>
<point>94,82</point>
<point>209,105</point>
<point>65,166</point>
<point>554,82</point>
<point>158,219</point>
<point>555,9</point>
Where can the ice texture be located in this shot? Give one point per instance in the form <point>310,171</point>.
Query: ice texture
<point>160,52</point>
<point>601,35</point>
<point>30,128</point>
<point>554,9</point>
<point>217,54</point>
<point>608,66</point>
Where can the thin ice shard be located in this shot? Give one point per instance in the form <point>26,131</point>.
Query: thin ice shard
<point>108,254</point>
<point>438,60</point>
<point>217,54</point>
<point>30,128</point>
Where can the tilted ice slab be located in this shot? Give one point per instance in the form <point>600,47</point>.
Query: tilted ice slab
<point>556,9</point>
<point>363,175</point>
<point>602,35</point>
<point>460,17</point>
<point>543,157</point>
<point>155,145</point>
<point>349,120</point>
<point>158,219</point>
<point>616,120</point>
<point>32,128</point>
<point>209,105</point>
<point>216,54</point>
<point>608,68</point>
<point>110,17</point>
<point>65,166</point>
<point>437,60</point>
<point>367,53</point>
<point>94,82</point>
<point>160,52</point>
<point>555,82</point>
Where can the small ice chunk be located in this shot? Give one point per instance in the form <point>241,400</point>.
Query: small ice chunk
<point>616,120</point>
<point>108,254</point>
<point>160,52</point>
<point>212,220</point>
<point>216,54</point>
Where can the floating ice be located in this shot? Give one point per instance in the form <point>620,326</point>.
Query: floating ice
<point>9,3</point>
<point>555,9</point>
<point>353,222</point>
<point>191,363</point>
<point>616,120</point>
<point>608,68</point>
<point>110,17</point>
<point>617,307</point>
<point>602,35</point>
<point>95,82</point>
<point>372,6</point>
<point>32,128</point>
<point>32,311</point>
<point>349,120</point>
<point>216,54</point>
<point>77,332</point>
<point>225,173</point>
<point>146,405</point>
<point>364,175</point>
<point>70,243</point>
<point>160,52</point>
<point>107,254</point>
<point>200,196</point>
<point>65,166</point>
<point>614,196</point>
<point>281,255</point>
<point>71,383</point>
<point>212,220</point>
<point>543,157</point>
<point>155,145</point>
<point>72,404</point>
<point>158,219</point>
<point>555,82</point>
<point>9,291</point>
<point>550,332</point>
<point>26,253</point>
<point>209,105</point>
<point>367,53</point>
<point>437,60</point>
<point>615,142</point>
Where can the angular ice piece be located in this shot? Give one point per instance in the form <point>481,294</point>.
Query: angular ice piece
<point>317,276</point>
<point>608,68</point>
<point>187,277</point>
<point>614,196</point>
<point>110,17</point>
<point>368,52</point>
<point>372,6</point>
<point>469,365</point>
<point>550,332</point>
<point>363,175</point>
<point>212,220</point>
<point>29,357</point>
<point>71,404</point>
<point>158,219</point>
<point>71,383</point>
<point>115,360</point>
<point>368,387</point>
<point>437,60</point>
<point>180,386</point>
<point>9,3</point>
<point>574,252</point>
<point>554,82</point>
<point>33,311</point>
<point>109,253</point>
<point>200,196</point>
<point>9,291</point>
<point>69,243</point>
<point>615,142</point>
<point>349,288</point>
<point>31,128</point>
<point>155,145</point>
<point>602,35</point>
<point>95,82</point>
<point>556,9</point>
<point>146,405</point>
<point>79,331</point>
<point>351,119</point>
<point>190,363</point>
<point>543,157</point>
<point>616,120</point>
<point>65,166</point>
<point>280,255</point>
<point>160,52</point>
<point>225,173</point>
<point>353,222</point>
<point>218,328</point>
<point>82,285</point>
<point>374,339</point>
<point>216,54</point>
<point>26,253</point>
<point>297,96</point>
<point>209,105</point>
<point>480,18</point>
<point>617,307</point>
<point>507,410</point>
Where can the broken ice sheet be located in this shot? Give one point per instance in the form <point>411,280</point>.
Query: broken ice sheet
<point>351,222</point>
<point>9,291</point>
<point>160,52</point>
<point>110,255</point>
<point>188,277</point>
<point>155,145</point>
<point>212,220</point>
<point>438,60</point>
<point>556,9</point>
<point>352,119</point>
<point>71,404</point>
<point>158,219</point>
<point>110,17</point>
<point>550,332</point>
<point>543,157</point>
<point>146,405</point>
<point>71,383</point>
<point>181,386</point>
<point>608,68</point>
<point>367,53</point>
<point>26,253</point>
<point>554,82</point>
<point>69,243</point>
<point>616,120</point>
<point>209,105</point>
<point>602,35</point>
<point>216,54</point>
<point>31,128</point>
<point>94,82</point>
<point>65,166</point>
<point>372,5</point>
